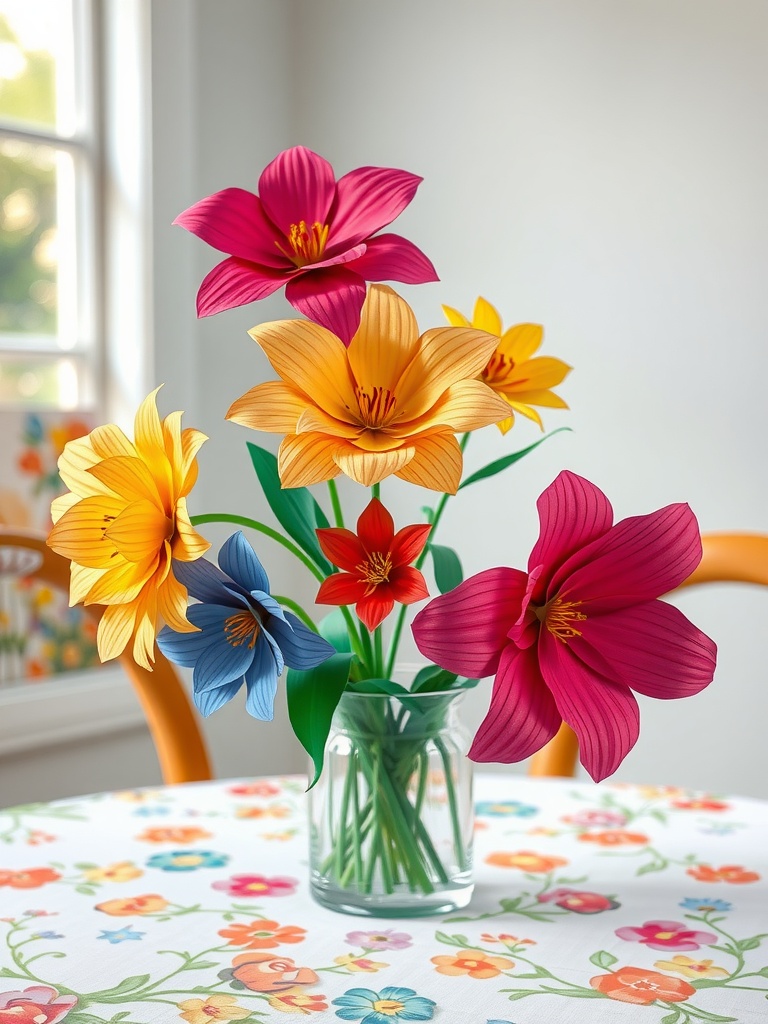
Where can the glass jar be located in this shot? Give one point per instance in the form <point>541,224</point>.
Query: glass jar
<point>391,817</point>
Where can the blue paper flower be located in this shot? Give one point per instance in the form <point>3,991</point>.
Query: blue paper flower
<point>702,905</point>
<point>245,636</point>
<point>187,860</point>
<point>390,1004</point>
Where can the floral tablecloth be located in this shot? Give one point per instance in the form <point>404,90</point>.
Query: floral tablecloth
<point>593,904</point>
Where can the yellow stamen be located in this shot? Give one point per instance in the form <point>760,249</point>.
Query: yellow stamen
<point>498,365</point>
<point>558,616</point>
<point>389,1007</point>
<point>375,405</point>
<point>240,628</point>
<point>306,244</point>
<point>375,570</point>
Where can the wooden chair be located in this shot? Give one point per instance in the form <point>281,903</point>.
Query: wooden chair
<point>727,558</point>
<point>173,722</point>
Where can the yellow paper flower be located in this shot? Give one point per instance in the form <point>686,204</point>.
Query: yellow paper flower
<point>215,1007</point>
<point>124,518</point>
<point>522,381</point>
<point>389,404</point>
<point>691,968</point>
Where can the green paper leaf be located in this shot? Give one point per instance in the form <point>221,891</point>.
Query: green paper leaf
<point>312,699</point>
<point>501,464</point>
<point>432,677</point>
<point>294,507</point>
<point>603,959</point>
<point>448,571</point>
<point>333,628</point>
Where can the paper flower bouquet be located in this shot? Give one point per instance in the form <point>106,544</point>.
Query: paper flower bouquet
<point>361,391</point>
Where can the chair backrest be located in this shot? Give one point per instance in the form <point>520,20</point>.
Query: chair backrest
<point>727,558</point>
<point>173,723</point>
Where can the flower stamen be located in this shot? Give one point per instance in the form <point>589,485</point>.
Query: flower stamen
<point>375,405</point>
<point>375,570</point>
<point>559,616</point>
<point>307,244</point>
<point>241,628</point>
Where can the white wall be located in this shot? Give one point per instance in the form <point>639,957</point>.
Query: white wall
<point>598,167</point>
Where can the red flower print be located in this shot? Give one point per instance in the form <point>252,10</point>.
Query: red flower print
<point>615,837</point>
<point>258,788</point>
<point>701,804</point>
<point>588,819</point>
<point>666,935</point>
<point>579,902</point>
<point>33,878</point>
<point>262,934</point>
<point>298,1002</point>
<point>376,563</point>
<point>733,873</point>
<point>30,462</point>
<point>39,1004</point>
<point>638,985</point>
<point>263,972</point>
<point>257,885</point>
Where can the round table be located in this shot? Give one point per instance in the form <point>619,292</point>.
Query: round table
<point>607,903</point>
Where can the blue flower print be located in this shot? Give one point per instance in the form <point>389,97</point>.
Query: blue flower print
<point>243,634</point>
<point>187,860</point>
<point>151,811</point>
<point>122,935</point>
<point>504,809</point>
<point>47,935</point>
<point>383,1007</point>
<point>703,905</point>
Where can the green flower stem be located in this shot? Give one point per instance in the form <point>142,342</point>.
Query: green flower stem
<point>378,654</point>
<point>296,608</point>
<point>338,515</point>
<point>376,491</point>
<point>254,524</point>
<point>455,824</point>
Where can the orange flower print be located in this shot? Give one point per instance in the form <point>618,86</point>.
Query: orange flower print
<point>174,835</point>
<point>615,837</point>
<point>701,804</point>
<point>473,963</point>
<point>263,972</point>
<point>691,968</point>
<point>262,934</point>
<point>147,904</point>
<point>733,873</point>
<point>508,940</point>
<point>33,878</point>
<point>359,963</point>
<point>278,811</point>
<point>641,986</point>
<point>215,1007</point>
<point>534,863</point>
<point>30,462</point>
<point>298,1002</point>
<point>122,871</point>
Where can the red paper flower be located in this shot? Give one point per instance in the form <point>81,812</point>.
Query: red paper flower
<point>573,637</point>
<point>376,564</point>
<point>311,233</point>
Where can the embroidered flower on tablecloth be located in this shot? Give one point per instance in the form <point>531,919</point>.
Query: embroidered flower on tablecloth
<point>590,819</point>
<point>187,860</point>
<point>122,935</point>
<point>391,1003</point>
<point>735,874</point>
<point>524,860</point>
<point>579,901</point>
<point>692,968</point>
<point>666,935</point>
<point>150,903</point>
<point>701,804</point>
<point>705,905</point>
<point>387,938</point>
<point>264,972</point>
<point>358,963</point>
<point>641,986</point>
<point>122,871</point>
<point>39,1003</point>
<point>262,934</point>
<point>173,835</point>
<point>615,837</point>
<point>472,963</point>
<point>298,1002</point>
<point>214,1007</point>
<point>504,809</point>
<point>261,787</point>
<point>256,885</point>
<point>32,878</point>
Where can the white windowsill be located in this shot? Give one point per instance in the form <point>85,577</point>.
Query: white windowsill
<point>72,707</point>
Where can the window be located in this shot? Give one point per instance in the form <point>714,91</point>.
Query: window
<point>48,183</point>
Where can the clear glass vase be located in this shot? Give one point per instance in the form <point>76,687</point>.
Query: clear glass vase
<point>391,816</point>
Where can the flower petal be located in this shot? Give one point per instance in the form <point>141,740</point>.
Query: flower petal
<point>522,715</point>
<point>185,648</point>
<point>639,559</point>
<point>367,199</point>
<point>342,547</point>
<point>409,542</point>
<point>407,584</point>
<point>330,296</point>
<point>297,185</point>
<point>188,544</point>
<point>305,459</point>
<point>75,463</point>
<point>375,527</point>
<point>235,282</point>
<point>79,533</point>
<point>273,406</point>
<point>302,648</point>
<point>115,630</point>
<point>485,317</point>
<point>139,530</point>
<point>392,258</point>
<point>240,562</point>
<point>233,221</point>
<point>341,588</point>
<point>533,375</point>
<point>572,513</point>
<point>373,608</point>
<point>221,661</point>
<point>386,341</point>
<point>652,648</point>
<point>455,318</point>
<point>128,477</point>
<point>436,463</point>
<point>172,605</point>
<point>465,630</point>
<point>209,701</point>
<point>368,468</point>
<point>603,713</point>
<point>519,343</point>
<point>261,683</point>
<point>466,405</point>
<point>204,581</point>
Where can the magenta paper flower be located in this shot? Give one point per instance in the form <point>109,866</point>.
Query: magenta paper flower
<point>570,639</point>
<point>666,935</point>
<point>311,233</point>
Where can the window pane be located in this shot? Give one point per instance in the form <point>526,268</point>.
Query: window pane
<point>45,382</point>
<point>36,64</point>
<point>37,246</point>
